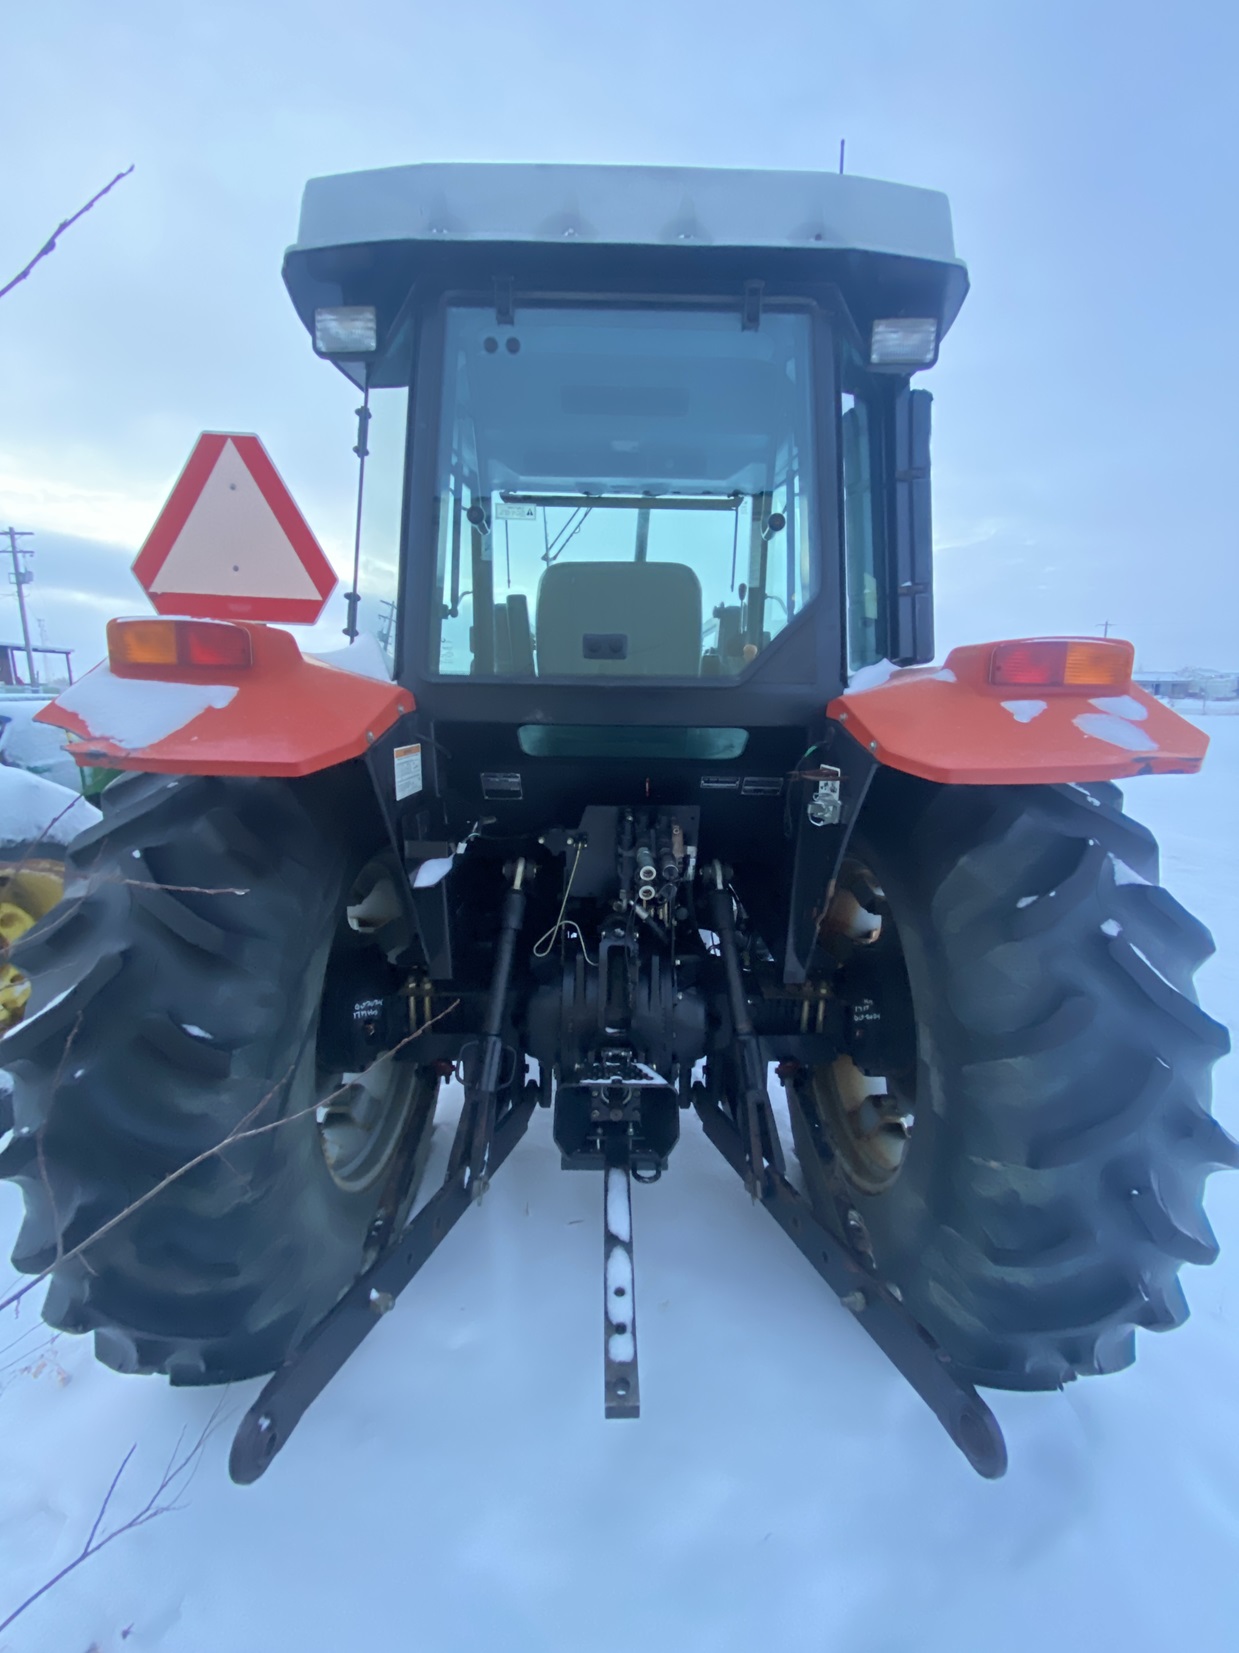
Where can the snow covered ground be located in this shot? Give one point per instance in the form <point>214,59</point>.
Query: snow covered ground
<point>459,1489</point>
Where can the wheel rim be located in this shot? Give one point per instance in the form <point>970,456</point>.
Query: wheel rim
<point>867,1115</point>
<point>360,1123</point>
<point>362,1115</point>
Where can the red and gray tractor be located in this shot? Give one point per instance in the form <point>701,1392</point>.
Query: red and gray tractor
<point>662,811</point>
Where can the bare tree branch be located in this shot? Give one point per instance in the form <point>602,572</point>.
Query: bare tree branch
<point>33,1360</point>
<point>50,245</point>
<point>30,855</point>
<point>107,1499</point>
<point>243,1131</point>
<point>176,889</point>
<point>237,1134</point>
<point>180,1469</point>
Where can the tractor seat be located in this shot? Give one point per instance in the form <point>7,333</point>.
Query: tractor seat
<point>618,619</point>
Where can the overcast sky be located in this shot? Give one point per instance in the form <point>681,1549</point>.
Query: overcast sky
<point>1085,405</point>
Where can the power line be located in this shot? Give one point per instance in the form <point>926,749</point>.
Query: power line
<point>22,577</point>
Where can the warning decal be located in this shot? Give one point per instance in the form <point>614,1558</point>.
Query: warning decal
<point>408,760</point>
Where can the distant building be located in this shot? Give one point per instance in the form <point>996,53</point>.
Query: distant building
<point>14,673</point>
<point>1190,683</point>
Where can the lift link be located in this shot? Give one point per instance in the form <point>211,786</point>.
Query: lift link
<point>483,1061</point>
<point>751,1147</point>
<point>754,1095</point>
<point>484,1139</point>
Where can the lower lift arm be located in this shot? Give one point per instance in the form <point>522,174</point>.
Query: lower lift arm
<point>745,1135</point>
<point>485,1136</point>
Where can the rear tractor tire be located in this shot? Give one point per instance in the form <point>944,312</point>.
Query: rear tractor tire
<point>1028,1170</point>
<point>179,993</point>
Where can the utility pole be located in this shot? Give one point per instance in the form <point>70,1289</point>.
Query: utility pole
<point>1105,629</point>
<point>20,577</point>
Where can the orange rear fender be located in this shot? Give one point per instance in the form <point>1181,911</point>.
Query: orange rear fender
<point>282,715</point>
<point>954,726</point>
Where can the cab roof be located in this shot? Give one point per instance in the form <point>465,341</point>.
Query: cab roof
<point>653,206</point>
<point>367,237</point>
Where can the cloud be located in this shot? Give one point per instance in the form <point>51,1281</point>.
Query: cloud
<point>45,492</point>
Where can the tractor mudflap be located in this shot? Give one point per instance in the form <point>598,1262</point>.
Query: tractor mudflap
<point>748,1141</point>
<point>287,1394</point>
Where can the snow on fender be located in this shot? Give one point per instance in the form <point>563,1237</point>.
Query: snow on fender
<point>281,715</point>
<point>956,727</point>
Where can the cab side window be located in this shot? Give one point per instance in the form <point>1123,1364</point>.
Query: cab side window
<point>861,531</point>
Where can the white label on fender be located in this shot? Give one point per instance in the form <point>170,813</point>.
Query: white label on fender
<point>408,770</point>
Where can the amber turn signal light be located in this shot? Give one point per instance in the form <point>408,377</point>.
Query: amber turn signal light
<point>176,643</point>
<point>1062,663</point>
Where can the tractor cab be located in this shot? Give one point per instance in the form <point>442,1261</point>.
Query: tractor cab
<point>661,435</point>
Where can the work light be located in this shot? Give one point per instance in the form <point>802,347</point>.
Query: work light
<point>346,330</point>
<point>903,341</point>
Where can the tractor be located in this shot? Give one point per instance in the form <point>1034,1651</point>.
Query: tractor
<point>664,805</point>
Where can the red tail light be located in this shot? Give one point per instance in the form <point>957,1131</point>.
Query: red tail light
<point>213,643</point>
<point>172,643</point>
<point>1062,663</point>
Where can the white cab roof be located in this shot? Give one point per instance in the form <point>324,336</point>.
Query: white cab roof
<point>625,205</point>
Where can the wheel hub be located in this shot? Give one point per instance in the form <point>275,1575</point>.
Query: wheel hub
<point>361,1121</point>
<point>367,1091</point>
<point>865,1097</point>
